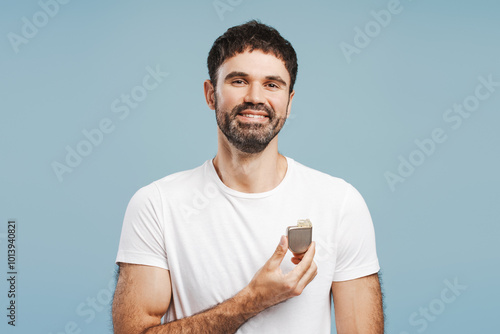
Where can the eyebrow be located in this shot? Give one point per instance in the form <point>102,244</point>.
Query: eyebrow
<point>276,78</point>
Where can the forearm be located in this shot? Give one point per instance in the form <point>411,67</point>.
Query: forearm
<point>223,318</point>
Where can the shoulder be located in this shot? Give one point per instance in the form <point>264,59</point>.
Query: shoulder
<point>323,185</point>
<point>172,183</point>
<point>318,178</point>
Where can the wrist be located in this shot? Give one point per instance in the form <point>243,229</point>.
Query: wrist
<point>248,302</point>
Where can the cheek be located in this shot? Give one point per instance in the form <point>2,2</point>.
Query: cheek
<point>227,99</point>
<point>279,104</point>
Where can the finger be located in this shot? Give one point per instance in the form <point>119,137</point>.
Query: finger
<point>278,255</point>
<point>298,255</point>
<point>296,258</point>
<point>308,276</point>
<point>304,264</point>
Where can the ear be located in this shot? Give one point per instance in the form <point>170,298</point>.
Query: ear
<point>209,90</point>
<point>289,107</point>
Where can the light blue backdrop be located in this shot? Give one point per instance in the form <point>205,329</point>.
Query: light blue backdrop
<point>369,88</point>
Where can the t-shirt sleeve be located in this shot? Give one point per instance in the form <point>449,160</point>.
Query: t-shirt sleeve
<point>142,238</point>
<point>356,249</point>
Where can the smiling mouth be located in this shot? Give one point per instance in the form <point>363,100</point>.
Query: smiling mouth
<point>253,116</point>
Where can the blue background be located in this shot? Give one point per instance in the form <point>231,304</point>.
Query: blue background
<point>353,117</point>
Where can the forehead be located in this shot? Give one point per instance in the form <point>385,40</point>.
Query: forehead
<point>255,64</point>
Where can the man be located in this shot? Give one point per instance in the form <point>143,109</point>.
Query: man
<point>199,246</point>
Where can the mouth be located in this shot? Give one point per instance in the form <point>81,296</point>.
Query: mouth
<point>256,115</point>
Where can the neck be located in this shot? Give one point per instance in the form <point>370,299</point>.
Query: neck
<point>249,172</point>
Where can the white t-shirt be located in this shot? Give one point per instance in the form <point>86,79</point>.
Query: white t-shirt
<point>213,239</point>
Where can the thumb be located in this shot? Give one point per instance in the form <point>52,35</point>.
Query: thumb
<point>279,253</point>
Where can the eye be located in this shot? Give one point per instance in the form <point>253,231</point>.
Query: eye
<point>273,85</point>
<point>238,82</point>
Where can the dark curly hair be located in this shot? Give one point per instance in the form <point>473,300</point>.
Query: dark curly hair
<point>250,36</point>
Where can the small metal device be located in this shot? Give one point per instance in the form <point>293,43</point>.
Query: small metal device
<point>300,236</point>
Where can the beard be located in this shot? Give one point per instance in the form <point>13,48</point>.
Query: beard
<point>248,137</point>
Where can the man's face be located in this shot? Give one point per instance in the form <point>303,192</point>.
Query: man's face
<point>252,99</point>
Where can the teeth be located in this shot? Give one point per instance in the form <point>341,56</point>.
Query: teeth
<point>253,116</point>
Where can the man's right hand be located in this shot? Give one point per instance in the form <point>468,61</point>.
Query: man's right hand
<point>270,286</point>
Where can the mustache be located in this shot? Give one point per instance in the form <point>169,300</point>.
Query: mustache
<point>250,106</point>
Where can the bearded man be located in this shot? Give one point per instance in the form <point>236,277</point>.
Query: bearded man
<point>198,248</point>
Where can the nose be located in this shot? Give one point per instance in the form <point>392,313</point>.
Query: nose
<point>254,94</point>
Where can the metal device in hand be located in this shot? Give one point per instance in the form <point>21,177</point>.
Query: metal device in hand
<point>300,236</point>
